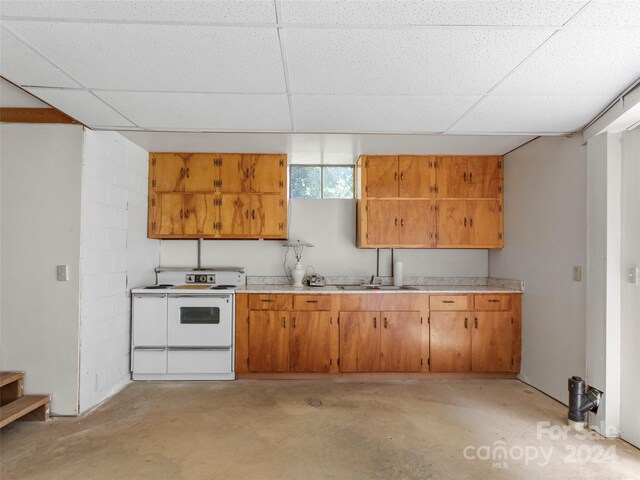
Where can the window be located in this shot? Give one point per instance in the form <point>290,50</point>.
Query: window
<point>321,181</point>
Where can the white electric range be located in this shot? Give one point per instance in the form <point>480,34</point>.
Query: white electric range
<point>182,327</point>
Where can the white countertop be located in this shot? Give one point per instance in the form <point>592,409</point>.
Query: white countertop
<point>415,289</point>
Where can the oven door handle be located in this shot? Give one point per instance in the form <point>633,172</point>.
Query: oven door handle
<point>147,295</point>
<point>200,349</point>
<point>204,295</point>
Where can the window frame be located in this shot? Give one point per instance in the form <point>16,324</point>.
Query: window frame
<point>322,167</point>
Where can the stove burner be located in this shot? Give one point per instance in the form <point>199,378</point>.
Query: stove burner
<point>222,287</point>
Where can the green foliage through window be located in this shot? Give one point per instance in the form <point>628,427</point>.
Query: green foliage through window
<point>321,181</point>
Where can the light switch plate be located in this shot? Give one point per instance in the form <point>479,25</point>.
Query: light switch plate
<point>577,274</point>
<point>63,273</point>
<point>633,276</point>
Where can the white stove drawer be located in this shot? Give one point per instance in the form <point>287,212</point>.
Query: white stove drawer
<point>149,320</point>
<point>200,361</point>
<point>149,360</point>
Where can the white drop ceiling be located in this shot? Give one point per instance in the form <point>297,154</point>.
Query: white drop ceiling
<point>472,67</point>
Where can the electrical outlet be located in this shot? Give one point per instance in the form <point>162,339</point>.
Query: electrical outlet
<point>63,273</point>
<point>577,274</point>
<point>633,276</point>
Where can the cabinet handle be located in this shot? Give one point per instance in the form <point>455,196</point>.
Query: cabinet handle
<point>375,323</point>
<point>448,301</point>
<point>253,214</point>
<point>465,221</point>
<point>396,222</point>
<point>294,322</point>
<point>476,323</point>
<point>181,214</point>
<point>187,173</point>
<point>466,323</point>
<point>493,300</point>
<point>471,222</point>
<point>395,176</point>
<point>470,177</point>
<point>465,176</point>
<point>386,323</point>
<point>186,213</point>
<point>253,172</point>
<point>181,172</point>
<point>284,323</point>
<point>247,214</point>
<point>247,175</point>
<point>312,301</point>
<point>402,222</point>
<point>402,176</point>
<point>267,301</point>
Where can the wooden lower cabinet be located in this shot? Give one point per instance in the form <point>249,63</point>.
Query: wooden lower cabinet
<point>380,341</point>
<point>268,341</point>
<point>471,341</point>
<point>310,342</point>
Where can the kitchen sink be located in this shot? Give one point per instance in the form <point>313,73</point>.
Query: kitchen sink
<point>374,288</point>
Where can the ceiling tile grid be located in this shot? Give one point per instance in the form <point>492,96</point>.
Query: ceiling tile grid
<point>201,112</point>
<point>402,66</point>
<point>391,113</point>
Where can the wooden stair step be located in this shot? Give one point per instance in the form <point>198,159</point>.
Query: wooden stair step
<point>28,407</point>
<point>10,387</point>
<point>9,377</point>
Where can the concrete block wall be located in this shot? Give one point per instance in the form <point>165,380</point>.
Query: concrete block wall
<point>114,181</point>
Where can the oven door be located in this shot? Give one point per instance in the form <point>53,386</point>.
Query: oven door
<point>200,321</point>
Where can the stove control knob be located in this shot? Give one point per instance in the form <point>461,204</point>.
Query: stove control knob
<point>191,278</point>
<point>202,278</point>
<point>211,279</point>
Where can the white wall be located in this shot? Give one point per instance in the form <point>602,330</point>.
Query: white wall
<point>330,226</point>
<point>545,236</point>
<point>115,255</point>
<point>40,217</point>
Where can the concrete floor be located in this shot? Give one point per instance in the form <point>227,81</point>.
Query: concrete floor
<point>279,430</point>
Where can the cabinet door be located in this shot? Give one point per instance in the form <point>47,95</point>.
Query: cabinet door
<point>453,223</point>
<point>235,215</point>
<point>484,177</point>
<point>268,173</point>
<point>168,172</point>
<point>234,173</point>
<point>199,172</point>
<point>485,223</point>
<point>310,348</point>
<point>451,177</point>
<point>149,319</point>
<point>268,216</point>
<point>415,179</point>
<point>450,342</point>
<point>417,222</point>
<point>359,341</point>
<point>491,342</point>
<point>168,214</point>
<point>199,214</point>
<point>382,176</point>
<point>400,342</point>
<point>268,341</point>
<point>383,222</point>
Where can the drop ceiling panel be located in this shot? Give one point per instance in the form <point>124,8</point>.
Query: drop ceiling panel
<point>23,66</point>
<point>366,113</point>
<point>530,114</point>
<point>14,97</point>
<point>199,111</point>
<point>470,12</point>
<point>609,13</point>
<point>579,62</point>
<point>404,61</point>
<point>161,57</point>
<point>83,106</point>
<point>218,11</point>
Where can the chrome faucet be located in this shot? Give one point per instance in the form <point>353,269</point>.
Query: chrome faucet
<point>375,280</point>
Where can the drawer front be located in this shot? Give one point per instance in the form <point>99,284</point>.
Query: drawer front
<point>270,302</point>
<point>498,301</point>
<point>449,302</point>
<point>312,302</point>
<point>152,360</point>
<point>199,361</point>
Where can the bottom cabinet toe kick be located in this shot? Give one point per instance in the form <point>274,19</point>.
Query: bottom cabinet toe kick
<point>378,335</point>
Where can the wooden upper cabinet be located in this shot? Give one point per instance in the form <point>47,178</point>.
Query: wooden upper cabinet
<point>182,172</point>
<point>470,224</point>
<point>381,176</point>
<point>400,342</point>
<point>310,344</point>
<point>416,176</point>
<point>491,342</point>
<point>268,173</point>
<point>183,214</point>
<point>233,173</point>
<point>235,215</point>
<point>168,214</point>
<point>268,216</point>
<point>382,222</point>
<point>469,177</point>
<point>417,225</point>
<point>453,228</point>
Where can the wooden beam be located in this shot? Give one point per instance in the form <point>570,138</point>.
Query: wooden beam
<point>34,115</point>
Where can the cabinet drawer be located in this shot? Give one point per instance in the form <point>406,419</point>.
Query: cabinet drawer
<point>448,302</point>
<point>199,361</point>
<point>498,301</point>
<point>312,302</point>
<point>269,302</point>
<point>152,360</point>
